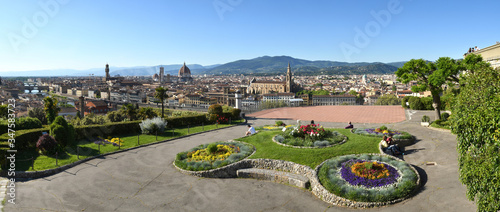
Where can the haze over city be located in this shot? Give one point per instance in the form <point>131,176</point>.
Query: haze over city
<point>57,34</point>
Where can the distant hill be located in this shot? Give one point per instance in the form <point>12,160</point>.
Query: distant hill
<point>279,64</point>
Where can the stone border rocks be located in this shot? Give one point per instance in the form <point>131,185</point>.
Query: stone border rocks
<point>230,171</point>
<point>309,147</point>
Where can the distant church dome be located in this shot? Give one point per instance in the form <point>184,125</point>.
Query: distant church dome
<point>184,71</point>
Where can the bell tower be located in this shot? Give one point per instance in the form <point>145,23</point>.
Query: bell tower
<point>107,72</point>
<point>289,81</point>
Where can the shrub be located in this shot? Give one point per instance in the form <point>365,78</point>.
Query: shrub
<point>39,114</point>
<point>215,109</point>
<point>63,132</point>
<point>28,123</point>
<point>235,113</point>
<point>383,127</point>
<point>46,144</point>
<point>115,116</point>
<point>279,123</point>
<point>416,103</point>
<point>152,126</point>
<point>445,116</point>
<point>212,148</point>
<point>427,103</point>
<point>279,138</point>
<point>425,118</point>
<point>25,138</point>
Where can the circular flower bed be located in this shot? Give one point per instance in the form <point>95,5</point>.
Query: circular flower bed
<point>211,156</point>
<point>312,135</point>
<point>368,178</point>
<point>380,132</point>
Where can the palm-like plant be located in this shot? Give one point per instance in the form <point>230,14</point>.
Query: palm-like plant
<point>161,94</point>
<point>147,113</point>
<point>130,111</point>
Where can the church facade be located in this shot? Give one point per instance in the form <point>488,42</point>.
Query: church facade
<point>266,87</point>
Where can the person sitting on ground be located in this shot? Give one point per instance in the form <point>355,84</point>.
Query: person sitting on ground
<point>383,143</point>
<point>393,148</point>
<point>250,131</point>
<point>349,126</point>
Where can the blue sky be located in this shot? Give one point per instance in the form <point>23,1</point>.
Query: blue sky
<point>82,34</point>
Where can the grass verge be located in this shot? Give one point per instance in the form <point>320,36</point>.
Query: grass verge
<point>266,148</point>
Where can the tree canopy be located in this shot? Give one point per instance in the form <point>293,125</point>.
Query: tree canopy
<point>430,76</point>
<point>161,94</point>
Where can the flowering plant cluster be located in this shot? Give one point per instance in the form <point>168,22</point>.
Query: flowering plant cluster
<point>379,132</point>
<point>223,151</point>
<point>311,130</point>
<point>361,173</point>
<point>222,119</point>
<point>113,141</point>
<point>276,127</point>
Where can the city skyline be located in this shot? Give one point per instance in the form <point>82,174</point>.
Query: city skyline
<point>63,34</point>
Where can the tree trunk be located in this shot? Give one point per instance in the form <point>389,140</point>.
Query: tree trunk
<point>436,103</point>
<point>162,108</point>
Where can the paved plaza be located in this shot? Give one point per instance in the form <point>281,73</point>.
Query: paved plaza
<point>354,114</point>
<point>144,179</point>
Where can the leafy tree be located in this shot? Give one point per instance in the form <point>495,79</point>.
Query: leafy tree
<point>430,76</point>
<point>51,109</point>
<point>476,121</point>
<point>389,99</point>
<point>38,113</point>
<point>146,113</point>
<point>130,111</point>
<point>394,88</point>
<point>161,94</point>
<point>3,111</point>
<point>115,116</point>
<point>353,92</point>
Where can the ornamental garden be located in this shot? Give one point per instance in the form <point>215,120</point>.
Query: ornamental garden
<point>347,166</point>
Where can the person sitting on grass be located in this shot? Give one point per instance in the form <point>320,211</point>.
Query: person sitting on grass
<point>349,126</point>
<point>383,143</point>
<point>250,130</point>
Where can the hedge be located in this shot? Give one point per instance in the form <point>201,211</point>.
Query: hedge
<point>193,120</point>
<point>25,138</point>
<point>108,129</point>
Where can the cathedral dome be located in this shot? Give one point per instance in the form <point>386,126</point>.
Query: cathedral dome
<point>184,71</point>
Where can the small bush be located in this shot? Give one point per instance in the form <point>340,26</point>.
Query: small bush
<point>383,127</point>
<point>215,109</point>
<point>279,138</point>
<point>425,118</point>
<point>212,148</point>
<point>63,132</point>
<point>279,123</point>
<point>235,113</point>
<point>46,144</point>
<point>445,116</point>
<point>152,126</point>
<point>28,123</point>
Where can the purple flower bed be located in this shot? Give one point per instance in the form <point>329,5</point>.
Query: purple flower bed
<point>372,131</point>
<point>100,141</point>
<point>354,180</point>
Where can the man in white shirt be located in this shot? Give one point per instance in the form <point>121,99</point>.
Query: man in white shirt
<point>250,131</point>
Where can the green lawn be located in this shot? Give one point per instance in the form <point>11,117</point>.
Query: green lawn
<point>89,149</point>
<point>266,148</point>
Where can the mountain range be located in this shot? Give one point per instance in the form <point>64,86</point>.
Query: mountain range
<point>265,65</point>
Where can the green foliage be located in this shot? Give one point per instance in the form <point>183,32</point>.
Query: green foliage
<point>278,123</point>
<point>115,116</point>
<point>28,123</point>
<point>108,129</point>
<point>38,113</point>
<point>235,113</point>
<point>63,132</point>
<point>416,104</point>
<point>215,109</point>
<point>404,101</point>
<point>315,92</point>
<point>430,76</point>
<point>50,108</point>
<point>389,99</point>
<point>476,121</point>
<point>183,163</point>
<point>146,113</point>
<point>445,116</point>
<point>383,127</point>
<point>272,104</point>
<point>3,111</point>
<point>25,139</point>
<point>90,119</point>
<point>425,118</point>
<point>212,148</point>
<point>161,94</point>
<point>130,111</point>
